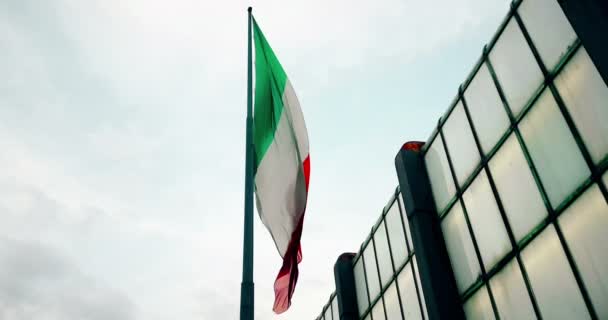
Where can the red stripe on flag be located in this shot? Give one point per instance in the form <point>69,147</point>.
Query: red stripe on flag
<point>285,284</point>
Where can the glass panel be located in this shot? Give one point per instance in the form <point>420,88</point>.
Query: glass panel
<point>368,317</point>
<point>395,234</point>
<point>334,308</point>
<point>585,225</point>
<point>461,145</point>
<point>360,287</point>
<point>517,189</point>
<point>460,248</point>
<point>551,278</point>
<point>406,223</point>
<point>378,311</point>
<point>515,67</point>
<point>486,109</point>
<point>327,314</point>
<point>420,293</point>
<point>479,306</point>
<point>440,177</point>
<point>383,254</point>
<point>553,150</point>
<point>585,95</point>
<point>488,227</point>
<point>391,303</point>
<point>371,271</point>
<point>409,298</point>
<point>549,29</point>
<point>510,293</point>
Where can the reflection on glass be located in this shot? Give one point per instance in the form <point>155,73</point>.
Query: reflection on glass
<point>360,286</point>
<point>517,189</point>
<point>373,282</point>
<point>553,150</point>
<point>406,223</point>
<point>407,289</point>
<point>479,307</point>
<point>460,248</point>
<point>334,308</point>
<point>395,234</point>
<point>378,311</point>
<point>391,303</point>
<point>585,227</point>
<point>516,69</point>
<point>486,109</point>
<point>383,254</point>
<point>489,229</point>
<point>549,29</point>
<point>510,293</point>
<point>440,177</point>
<point>551,278</point>
<point>461,144</point>
<point>420,292</point>
<point>327,314</point>
<point>585,94</point>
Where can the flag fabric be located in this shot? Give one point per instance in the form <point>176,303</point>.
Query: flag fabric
<point>281,164</point>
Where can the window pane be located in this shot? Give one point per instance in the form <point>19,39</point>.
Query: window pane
<point>383,254</point>
<point>409,298</point>
<point>327,314</point>
<point>585,95</point>
<point>551,278</point>
<point>510,293</point>
<point>461,145</point>
<point>585,225</point>
<point>395,234</point>
<point>378,311</point>
<point>486,109</point>
<point>420,292</point>
<point>553,150</point>
<point>460,248</point>
<point>517,189</point>
<point>479,306</point>
<point>406,223</point>
<point>334,308</point>
<point>515,67</point>
<point>371,271</point>
<point>360,287</point>
<point>549,29</point>
<point>440,177</point>
<point>488,227</point>
<point>391,303</point>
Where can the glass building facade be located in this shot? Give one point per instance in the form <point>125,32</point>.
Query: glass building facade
<point>517,169</point>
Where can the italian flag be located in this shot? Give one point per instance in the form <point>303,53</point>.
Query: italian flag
<point>281,164</point>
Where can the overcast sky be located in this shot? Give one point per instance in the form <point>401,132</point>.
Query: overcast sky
<point>122,143</point>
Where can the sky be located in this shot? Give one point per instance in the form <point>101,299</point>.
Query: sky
<point>122,143</point>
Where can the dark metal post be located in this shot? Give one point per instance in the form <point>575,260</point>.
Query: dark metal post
<point>247,292</point>
<point>589,18</point>
<point>436,275</point>
<point>345,287</point>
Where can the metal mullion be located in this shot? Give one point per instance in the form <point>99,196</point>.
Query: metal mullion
<point>448,207</point>
<point>402,213</point>
<point>390,251</point>
<point>466,217</point>
<point>501,209</point>
<point>378,270</point>
<point>582,148</point>
<point>369,302</point>
<point>419,292</point>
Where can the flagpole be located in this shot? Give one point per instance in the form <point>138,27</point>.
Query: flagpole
<point>247,291</point>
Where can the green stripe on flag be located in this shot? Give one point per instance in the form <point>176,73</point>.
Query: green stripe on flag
<point>270,80</point>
